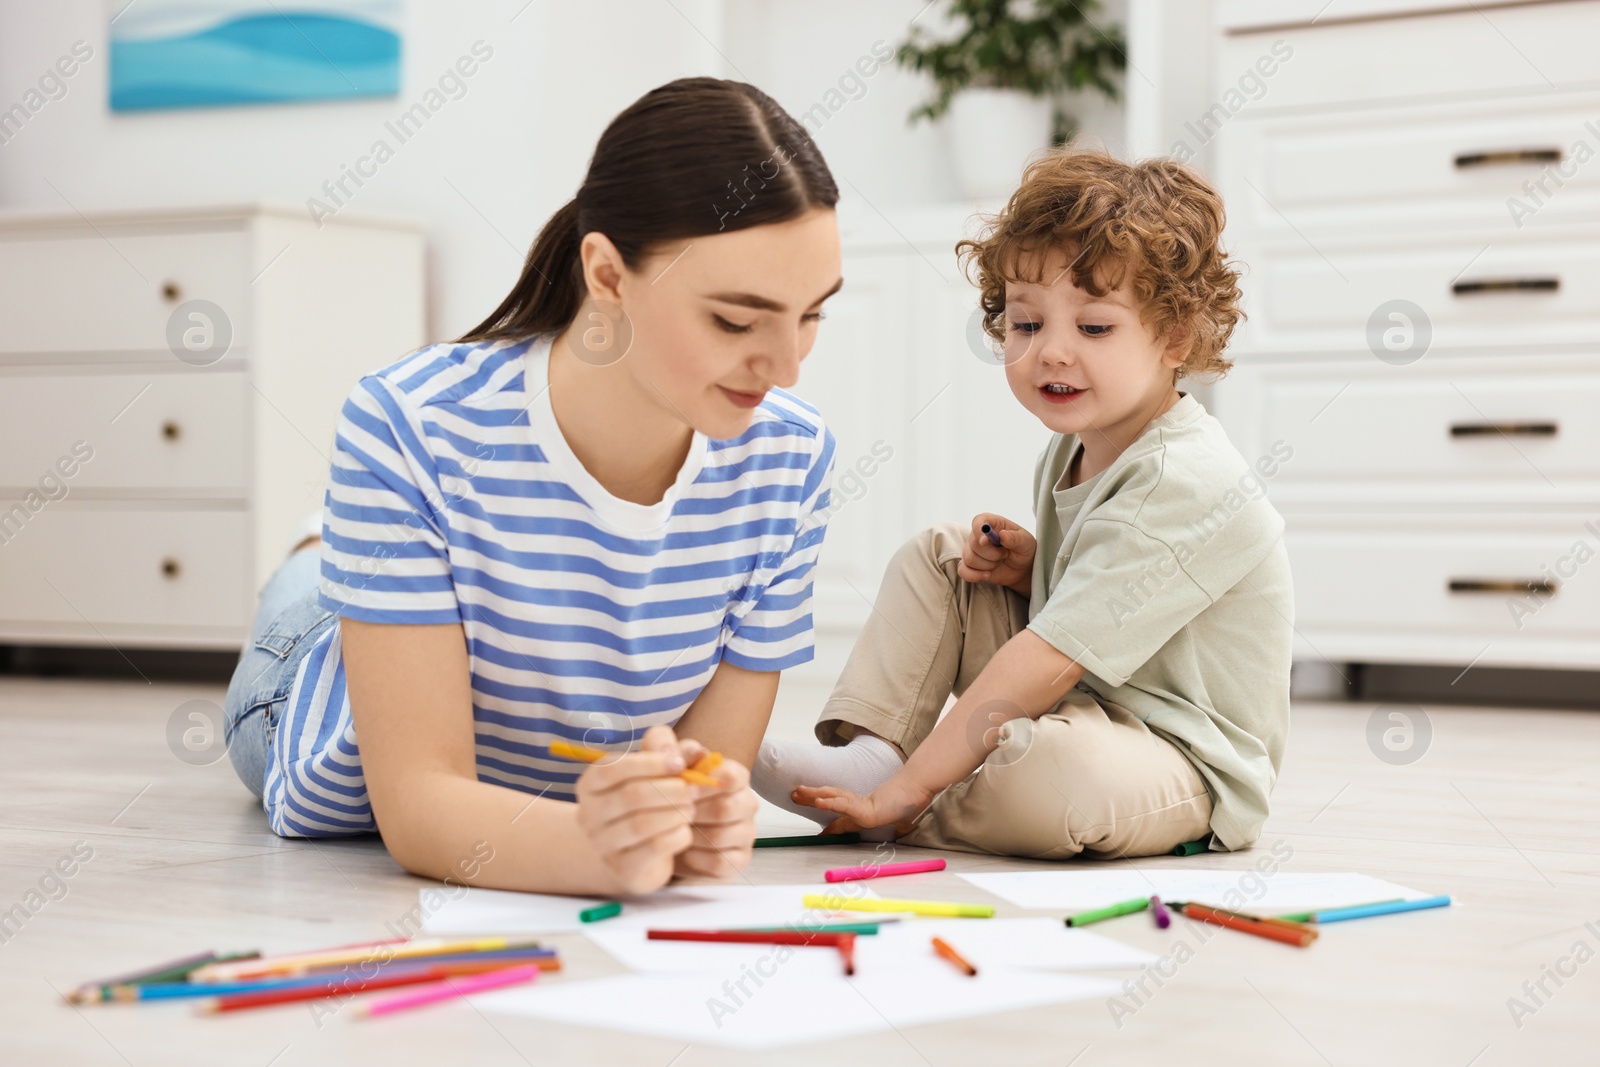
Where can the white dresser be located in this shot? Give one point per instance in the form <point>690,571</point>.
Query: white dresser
<point>169,386</point>
<point>1417,196</point>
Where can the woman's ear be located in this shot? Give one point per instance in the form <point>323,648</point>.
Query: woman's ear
<point>602,267</point>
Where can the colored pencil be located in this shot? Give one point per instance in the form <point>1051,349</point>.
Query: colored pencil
<point>448,989</point>
<point>181,990</point>
<point>882,870</point>
<point>1305,916</point>
<point>600,911</point>
<point>915,907</point>
<point>942,947</point>
<point>1110,911</point>
<point>173,971</point>
<point>1362,911</point>
<point>545,959</point>
<point>1260,929</point>
<point>1162,916</point>
<point>340,987</point>
<point>851,838</point>
<point>289,964</point>
<point>844,942</point>
<point>693,775</point>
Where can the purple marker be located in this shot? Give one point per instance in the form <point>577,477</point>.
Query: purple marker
<point>994,538</point>
<point>1159,910</point>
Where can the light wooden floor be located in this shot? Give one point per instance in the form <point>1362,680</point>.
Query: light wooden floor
<point>1503,812</point>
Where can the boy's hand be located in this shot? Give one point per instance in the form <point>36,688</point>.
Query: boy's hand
<point>1009,563</point>
<point>883,807</point>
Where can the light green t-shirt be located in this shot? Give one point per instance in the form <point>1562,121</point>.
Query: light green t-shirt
<point>1166,577</point>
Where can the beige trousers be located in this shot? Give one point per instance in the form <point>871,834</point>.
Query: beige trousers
<point>1087,776</point>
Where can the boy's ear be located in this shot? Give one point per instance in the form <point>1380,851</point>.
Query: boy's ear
<point>1180,342</point>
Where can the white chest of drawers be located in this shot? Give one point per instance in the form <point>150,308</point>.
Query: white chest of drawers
<point>169,386</point>
<point>1443,499</point>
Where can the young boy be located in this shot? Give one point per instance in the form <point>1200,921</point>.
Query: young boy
<point>1123,677</point>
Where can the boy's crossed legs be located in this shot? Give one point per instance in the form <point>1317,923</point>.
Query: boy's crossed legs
<point>1082,777</point>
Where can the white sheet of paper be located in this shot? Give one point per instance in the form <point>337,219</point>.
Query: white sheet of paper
<point>793,1006</point>
<point>1247,890</point>
<point>1034,944</point>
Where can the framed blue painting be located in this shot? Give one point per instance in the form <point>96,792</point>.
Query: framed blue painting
<point>214,53</point>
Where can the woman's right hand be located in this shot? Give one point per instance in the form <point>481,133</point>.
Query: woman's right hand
<point>637,813</point>
<point>1009,563</point>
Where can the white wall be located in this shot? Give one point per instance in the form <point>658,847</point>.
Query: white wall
<point>515,144</point>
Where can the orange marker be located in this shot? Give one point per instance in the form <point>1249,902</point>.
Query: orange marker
<point>696,775</point>
<point>942,947</point>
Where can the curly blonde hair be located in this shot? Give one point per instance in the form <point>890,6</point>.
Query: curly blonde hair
<point>1155,223</point>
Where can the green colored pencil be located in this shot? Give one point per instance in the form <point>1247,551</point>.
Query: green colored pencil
<point>172,971</point>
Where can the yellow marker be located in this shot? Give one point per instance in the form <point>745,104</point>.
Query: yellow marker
<point>915,907</point>
<point>696,775</point>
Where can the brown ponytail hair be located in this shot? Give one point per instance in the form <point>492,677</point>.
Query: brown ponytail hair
<point>694,157</point>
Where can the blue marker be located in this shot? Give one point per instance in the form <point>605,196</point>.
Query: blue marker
<point>1361,911</point>
<point>994,538</point>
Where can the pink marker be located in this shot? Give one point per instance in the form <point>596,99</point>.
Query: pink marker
<point>852,874</point>
<point>451,987</point>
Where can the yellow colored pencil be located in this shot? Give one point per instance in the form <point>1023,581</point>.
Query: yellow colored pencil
<point>696,775</point>
<point>292,964</point>
<point>915,907</point>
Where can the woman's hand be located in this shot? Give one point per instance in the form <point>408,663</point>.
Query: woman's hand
<point>638,814</point>
<point>724,822</point>
<point>1010,563</point>
<point>892,803</point>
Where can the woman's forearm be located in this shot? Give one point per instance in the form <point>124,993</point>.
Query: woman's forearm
<point>1027,676</point>
<point>476,833</point>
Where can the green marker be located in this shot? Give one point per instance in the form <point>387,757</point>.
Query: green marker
<point>1127,907</point>
<point>851,838</point>
<point>826,928</point>
<point>1189,848</point>
<point>600,911</point>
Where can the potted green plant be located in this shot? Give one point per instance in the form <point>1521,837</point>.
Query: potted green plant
<point>1002,77</point>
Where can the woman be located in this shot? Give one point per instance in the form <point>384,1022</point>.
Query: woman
<point>592,519</point>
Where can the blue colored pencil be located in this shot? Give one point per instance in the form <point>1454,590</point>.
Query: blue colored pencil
<point>1361,911</point>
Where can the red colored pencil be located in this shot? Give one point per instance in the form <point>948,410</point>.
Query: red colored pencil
<point>335,987</point>
<point>844,942</point>
<point>1302,938</point>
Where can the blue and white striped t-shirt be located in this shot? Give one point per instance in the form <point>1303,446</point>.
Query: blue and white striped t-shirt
<point>453,497</point>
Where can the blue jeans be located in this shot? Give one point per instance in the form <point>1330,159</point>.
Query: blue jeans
<point>288,622</point>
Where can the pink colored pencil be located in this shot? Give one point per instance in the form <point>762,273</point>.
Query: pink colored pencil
<point>853,874</point>
<point>450,987</point>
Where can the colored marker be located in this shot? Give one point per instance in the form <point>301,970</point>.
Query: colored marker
<point>1362,911</point>
<point>994,538</point>
<point>867,929</point>
<point>942,947</point>
<point>448,989</point>
<point>1189,848</point>
<point>882,870</point>
<point>1305,916</point>
<point>806,840</point>
<point>844,942</point>
<point>600,911</point>
<point>1286,924</point>
<point>915,907</point>
<point>1159,910</point>
<point>1271,931</point>
<point>581,754</point>
<point>1110,911</point>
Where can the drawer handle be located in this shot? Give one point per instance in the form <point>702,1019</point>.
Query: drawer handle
<point>1507,285</point>
<point>1513,586</point>
<point>171,430</point>
<point>170,568</point>
<point>171,292</point>
<point>1508,155</point>
<point>1508,429</point>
